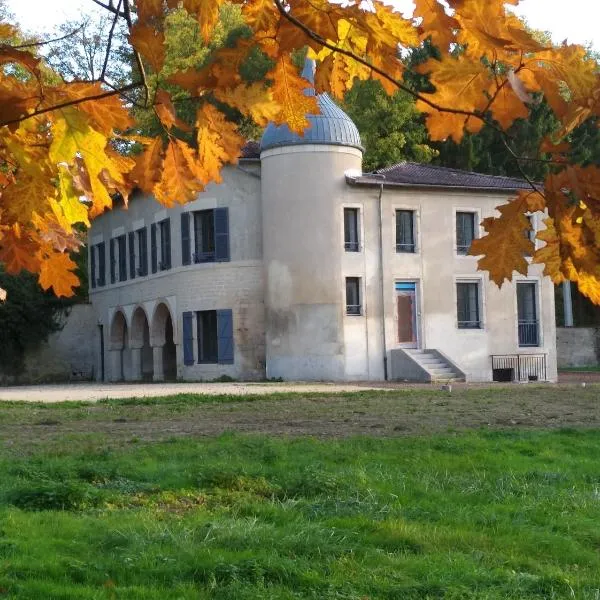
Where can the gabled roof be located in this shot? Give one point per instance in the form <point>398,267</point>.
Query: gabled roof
<point>408,174</point>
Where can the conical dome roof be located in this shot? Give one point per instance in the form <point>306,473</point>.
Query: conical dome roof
<point>332,126</point>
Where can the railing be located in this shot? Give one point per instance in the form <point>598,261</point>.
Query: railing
<point>528,333</point>
<point>351,246</point>
<point>519,367</point>
<point>409,248</point>
<point>353,309</point>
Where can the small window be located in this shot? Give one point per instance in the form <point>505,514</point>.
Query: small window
<point>165,245</point>
<point>122,252</point>
<point>527,314</point>
<point>353,306</point>
<point>468,305</point>
<point>208,344</point>
<point>405,231</point>
<point>351,231</point>
<point>204,236</point>
<point>465,231</point>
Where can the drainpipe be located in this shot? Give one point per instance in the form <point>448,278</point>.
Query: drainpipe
<point>383,338</point>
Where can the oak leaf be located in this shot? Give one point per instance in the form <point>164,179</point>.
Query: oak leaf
<point>56,271</point>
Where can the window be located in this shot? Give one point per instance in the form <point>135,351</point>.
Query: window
<point>468,305</point>
<point>405,231</point>
<point>98,265</point>
<point>122,251</point>
<point>465,231</point>
<point>142,247</point>
<point>131,244</point>
<point>92,259</point>
<point>165,244</point>
<point>215,336</point>
<point>527,314</point>
<point>351,234</point>
<point>204,236</point>
<point>353,296</point>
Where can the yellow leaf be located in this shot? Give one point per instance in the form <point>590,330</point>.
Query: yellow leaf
<point>166,112</point>
<point>179,181</point>
<point>255,100</point>
<point>150,43</point>
<point>218,142</point>
<point>504,247</point>
<point>206,13</point>
<point>147,169</point>
<point>56,271</point>
<point>288,91</point>
<point>436,23</point>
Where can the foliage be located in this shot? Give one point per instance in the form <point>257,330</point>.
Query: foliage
<point>58,139</point>
<point>492,515</point>
<point>390,127</point>
<point>27,317</point>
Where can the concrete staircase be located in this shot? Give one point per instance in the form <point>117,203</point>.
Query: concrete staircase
<point>428,365</point>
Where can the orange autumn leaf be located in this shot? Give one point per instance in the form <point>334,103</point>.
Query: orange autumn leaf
<point>56,271</point>
<point>150,43</point>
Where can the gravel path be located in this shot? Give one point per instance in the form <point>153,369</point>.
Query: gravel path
<point>99,391</point>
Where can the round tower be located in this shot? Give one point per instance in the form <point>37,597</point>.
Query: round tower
<point>303,194</point>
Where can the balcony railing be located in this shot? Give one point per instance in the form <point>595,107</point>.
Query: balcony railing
<point>202,257</point>
<point>405,247</point>
<point>519,367</point>
<point>528,333</point>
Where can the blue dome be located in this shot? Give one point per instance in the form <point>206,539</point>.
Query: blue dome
<point>331,126</point>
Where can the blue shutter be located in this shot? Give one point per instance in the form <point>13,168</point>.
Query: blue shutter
<point>143,251</point>
<point>166,230</point>
<point>92,260</point>
<point>113,261</point>
<point>186,254</point>
<point>102,264</point>
<point>131,255</point>
<point>225,336</point>
<point>222,234</point>
<point>153,254</point>
<point>188,339</point>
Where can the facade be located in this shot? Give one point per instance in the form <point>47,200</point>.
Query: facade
<point>298,266</point>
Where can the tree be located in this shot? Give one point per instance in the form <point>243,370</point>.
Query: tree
<point>59,141</point>
<point>390,127</point>
<point>27,317</point>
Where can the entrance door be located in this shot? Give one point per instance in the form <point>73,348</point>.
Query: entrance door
<point>406,306</point>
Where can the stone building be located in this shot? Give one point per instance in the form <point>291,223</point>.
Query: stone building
<point>299,266</point>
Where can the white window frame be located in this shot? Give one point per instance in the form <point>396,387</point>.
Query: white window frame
<point>360,228</point>
<point>361,295</point>
<point>538,307</point>
<point>478,230</point>
<point>482,302</point>
<point>416,210</point>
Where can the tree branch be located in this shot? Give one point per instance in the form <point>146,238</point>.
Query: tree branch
<point>43,42</point>
<point>48,109</point>
<point>110,8</point>
<point>138,58</point>
<point>109,42</point>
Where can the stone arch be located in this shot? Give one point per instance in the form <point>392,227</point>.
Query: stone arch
<point>120,364</point>
<point>141,350</point>
<point>163,340</point>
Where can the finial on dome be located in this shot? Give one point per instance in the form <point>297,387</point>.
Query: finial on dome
<point>308,72</point>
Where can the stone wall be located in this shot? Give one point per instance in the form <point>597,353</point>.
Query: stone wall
<point>68,354</point>
<point>578,346</point>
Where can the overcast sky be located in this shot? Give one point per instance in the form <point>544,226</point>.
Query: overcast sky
<point>579,23</point>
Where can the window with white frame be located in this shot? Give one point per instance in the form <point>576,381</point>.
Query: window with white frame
<point>468,304</point>
<point>527,300</point>
<point>405,231</point>
<point>353,303</point>
<point>465,231</point>
<point>351,230</point>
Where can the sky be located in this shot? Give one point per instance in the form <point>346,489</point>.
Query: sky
<point>580,23</point>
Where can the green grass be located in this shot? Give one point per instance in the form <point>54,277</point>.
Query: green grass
<point>486,515</point>
<point>591,369</point>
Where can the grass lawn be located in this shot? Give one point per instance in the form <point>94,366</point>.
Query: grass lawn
<point>490,513</point>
